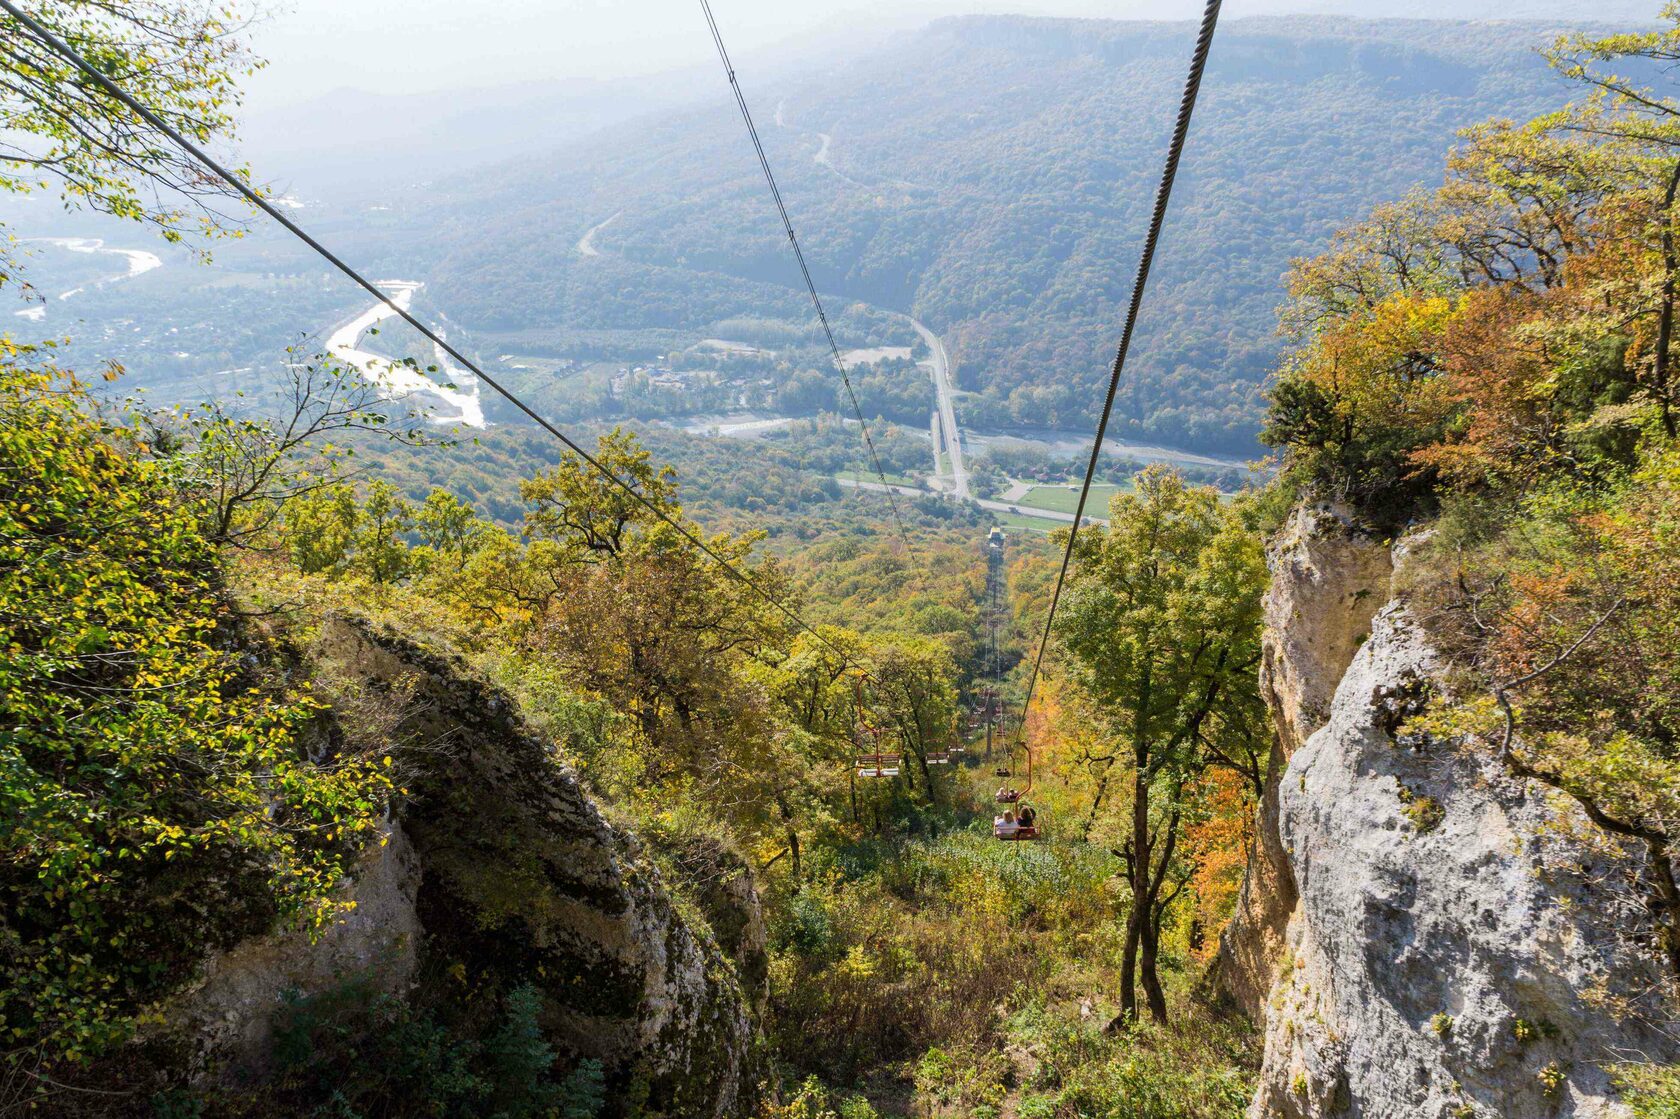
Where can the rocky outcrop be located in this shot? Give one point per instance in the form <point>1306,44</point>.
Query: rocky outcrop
<point>1328,578</point>
<point>1462,944</point>
<point>225,1020</point>
<point>501,873</point>
<point>717,879</point>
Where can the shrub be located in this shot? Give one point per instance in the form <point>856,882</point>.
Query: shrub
<point>352,1052</point>
<point>155,797</point>
<point>1652,1091</point>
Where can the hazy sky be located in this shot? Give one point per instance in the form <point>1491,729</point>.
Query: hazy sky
<point>409,46</point>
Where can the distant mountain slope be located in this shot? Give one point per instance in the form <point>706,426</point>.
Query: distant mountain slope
<point>993,175</point>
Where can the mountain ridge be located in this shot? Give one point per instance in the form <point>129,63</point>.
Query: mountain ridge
<point>960,152</point>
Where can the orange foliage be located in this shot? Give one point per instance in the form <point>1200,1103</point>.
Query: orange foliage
<point>1493,375</point>
<point>1218,845</point>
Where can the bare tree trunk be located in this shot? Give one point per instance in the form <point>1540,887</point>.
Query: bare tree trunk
<point>793,837</point>
<point>1152,991</point>
<point>1128,970</point>
<point>1138,920</point>
<point>1154,914</point>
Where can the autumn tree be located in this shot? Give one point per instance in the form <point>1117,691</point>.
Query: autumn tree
<point>378,545</point>
<point>633,612</point>
<point>915,692</point>
<point>1162,630</point>
<point>181,58</point>
<point>320,526</point>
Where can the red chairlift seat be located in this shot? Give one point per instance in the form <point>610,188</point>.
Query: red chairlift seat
<point>939,757</point>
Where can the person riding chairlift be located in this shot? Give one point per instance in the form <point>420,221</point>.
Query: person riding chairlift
<point>1004,826</point>
<point>1006,795</point>
<point>1028,817</point>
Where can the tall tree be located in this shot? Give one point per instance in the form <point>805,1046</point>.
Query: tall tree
<point>634,614</point>
<point>1162,624</point>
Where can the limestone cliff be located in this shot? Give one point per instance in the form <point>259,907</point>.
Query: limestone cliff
<point>1328,577</point>
<point>1458,942</point>
<point>501,871</point>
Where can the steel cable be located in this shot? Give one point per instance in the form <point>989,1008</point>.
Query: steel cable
<point>1163,194</point>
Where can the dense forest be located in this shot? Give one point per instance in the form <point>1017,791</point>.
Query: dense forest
<point>696,765</point>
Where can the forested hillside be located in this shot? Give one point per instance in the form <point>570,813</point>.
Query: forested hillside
<point>992,176</point>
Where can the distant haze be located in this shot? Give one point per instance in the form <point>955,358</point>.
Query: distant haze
<point>416,46</point>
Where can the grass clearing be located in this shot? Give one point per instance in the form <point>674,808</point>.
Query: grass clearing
<point>1028,522</point>
<point>849,476</point>
<point>1062,499</point>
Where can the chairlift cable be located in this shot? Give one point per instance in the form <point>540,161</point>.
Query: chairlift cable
<point>1175,150</point>
<point>105,83</point>
<point>805,271</point>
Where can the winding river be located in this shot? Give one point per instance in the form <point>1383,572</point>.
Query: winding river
<point>461,404</point>
<point>137,263</point>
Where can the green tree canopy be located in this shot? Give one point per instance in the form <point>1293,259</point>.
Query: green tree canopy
<point>1162,624</point>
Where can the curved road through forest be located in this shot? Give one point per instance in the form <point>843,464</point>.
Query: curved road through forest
<point>939,363</point>
<point>586,243</point>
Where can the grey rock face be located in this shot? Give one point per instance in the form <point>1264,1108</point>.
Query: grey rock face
<point>1462,944</point>
<point>1328,579</point>
<point>503,873</point>
<point>228,1013</point>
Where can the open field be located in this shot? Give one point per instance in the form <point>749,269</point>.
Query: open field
<point>1061,499</point>
<point>1029,523</point>
<point>871,476</point>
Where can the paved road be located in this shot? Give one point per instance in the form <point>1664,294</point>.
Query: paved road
<point>940,363</point>
<point>586,243</point>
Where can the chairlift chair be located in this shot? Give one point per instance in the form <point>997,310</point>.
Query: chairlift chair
<point>1024,831</point>
<point>878,765</point>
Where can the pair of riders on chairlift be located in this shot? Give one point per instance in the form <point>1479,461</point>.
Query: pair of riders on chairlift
<point>1011,825</point>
